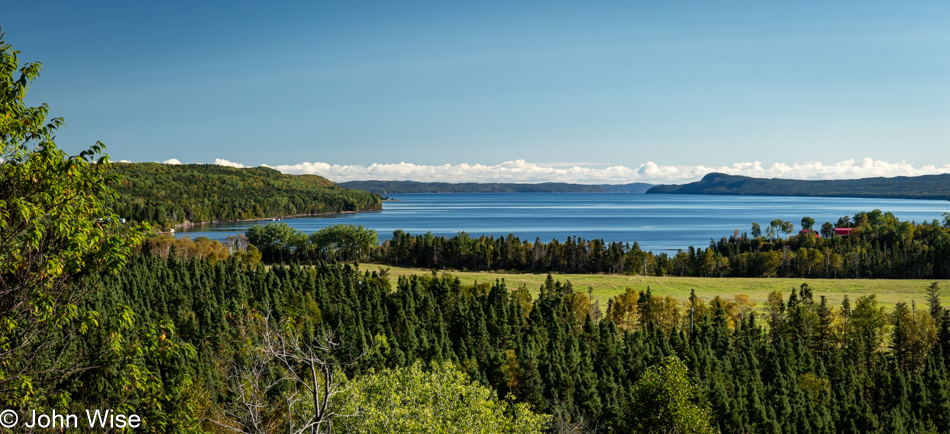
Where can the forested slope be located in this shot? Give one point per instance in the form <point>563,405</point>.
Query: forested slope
<point>900,187</point>
<point>165,193</point>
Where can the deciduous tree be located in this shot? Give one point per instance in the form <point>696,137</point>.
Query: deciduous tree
<point>441,399</point>
<point>662,402</point>
<point>53,228</point>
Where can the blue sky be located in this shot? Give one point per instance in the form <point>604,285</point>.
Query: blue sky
<point>526,91</point>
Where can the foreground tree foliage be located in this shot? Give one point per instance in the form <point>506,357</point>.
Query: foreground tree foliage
<point>663,401</point>
<point>440,399</point>
<point>54,227</point>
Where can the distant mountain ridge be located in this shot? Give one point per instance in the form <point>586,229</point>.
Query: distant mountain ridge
<point>901,187</point>
<point>396,187</point>
<point>634,187</point>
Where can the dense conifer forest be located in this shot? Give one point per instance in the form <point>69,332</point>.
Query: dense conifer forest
<point>172,193</point>
<point>799,365</point>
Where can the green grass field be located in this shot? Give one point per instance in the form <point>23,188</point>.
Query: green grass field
<point>889,291</point>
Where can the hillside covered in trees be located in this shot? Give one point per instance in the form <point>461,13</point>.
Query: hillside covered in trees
<point>900,187</point>
<point>170,194</point>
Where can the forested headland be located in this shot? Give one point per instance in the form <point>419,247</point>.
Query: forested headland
<point>899,187</point>
<point>167,194</point>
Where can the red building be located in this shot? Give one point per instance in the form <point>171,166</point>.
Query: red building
<point>843,231</point>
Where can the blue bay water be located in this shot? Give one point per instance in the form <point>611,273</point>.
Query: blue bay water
<point>657,222</point>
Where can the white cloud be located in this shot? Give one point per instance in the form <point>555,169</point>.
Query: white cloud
<point>223,162</point>
<point>171,161</point>
<point>523,171</point>
<point>592,173</point>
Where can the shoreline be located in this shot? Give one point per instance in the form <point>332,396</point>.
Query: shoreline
<point>190,224</point>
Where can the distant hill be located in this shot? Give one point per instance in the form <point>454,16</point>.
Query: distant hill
<point>636,187</point>
<point>396,187</point>
<point>901,187</point>
<point>165,193</point>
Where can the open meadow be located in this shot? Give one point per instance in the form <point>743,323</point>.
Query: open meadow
<point>606,286</point>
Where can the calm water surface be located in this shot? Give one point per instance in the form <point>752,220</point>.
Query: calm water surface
<point>657,222</point>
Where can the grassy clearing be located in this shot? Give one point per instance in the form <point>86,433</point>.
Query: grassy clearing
<point>889,291</point>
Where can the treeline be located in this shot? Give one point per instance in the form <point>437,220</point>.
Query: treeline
<point>278,242</point>
<point>878,246</point>
<point>903,187</point>
<point>166,194</point>
<point>801,366</point>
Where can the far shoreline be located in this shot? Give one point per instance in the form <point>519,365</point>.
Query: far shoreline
<point>189,224</point>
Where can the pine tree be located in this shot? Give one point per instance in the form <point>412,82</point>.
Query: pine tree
<point>933,300</point>
<point>824,334</point>
<point>938,390</point>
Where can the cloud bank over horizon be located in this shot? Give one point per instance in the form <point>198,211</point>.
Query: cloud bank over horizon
<point>521,171</point>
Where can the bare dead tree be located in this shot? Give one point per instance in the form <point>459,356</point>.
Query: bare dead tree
<point>571,420</point>
<point>248,410</point>
<point>313,368</point>
<point>310,367</point>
